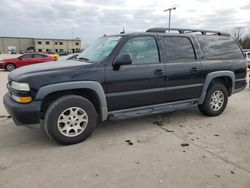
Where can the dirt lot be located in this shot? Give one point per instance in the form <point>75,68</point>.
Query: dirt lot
<point>217,154</point>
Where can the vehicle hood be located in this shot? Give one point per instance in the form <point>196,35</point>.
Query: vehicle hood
<point>53,67</point>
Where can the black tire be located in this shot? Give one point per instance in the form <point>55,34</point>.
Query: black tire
<point>10,67</point>
<point>207,108</point>
<point>58,108</point>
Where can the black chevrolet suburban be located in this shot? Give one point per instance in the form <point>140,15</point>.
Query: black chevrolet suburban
<point>125,76</point>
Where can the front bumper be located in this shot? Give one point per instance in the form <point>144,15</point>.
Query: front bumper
<point>2,66</point>
<point>22,114</point>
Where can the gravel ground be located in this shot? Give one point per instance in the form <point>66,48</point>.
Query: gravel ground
<point>180,149</point>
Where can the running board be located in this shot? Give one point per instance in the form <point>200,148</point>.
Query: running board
<point>153,109</point>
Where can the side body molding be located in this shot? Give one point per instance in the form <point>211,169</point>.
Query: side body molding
<point>213,75</point>
<point>92,85</point>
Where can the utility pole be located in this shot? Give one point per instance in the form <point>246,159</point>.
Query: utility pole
<point>169,16</point>
<point>72,32</point>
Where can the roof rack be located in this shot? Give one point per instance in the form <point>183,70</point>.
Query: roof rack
<point>183,31</point>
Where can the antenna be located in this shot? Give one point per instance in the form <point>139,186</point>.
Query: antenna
<point>123,31</point>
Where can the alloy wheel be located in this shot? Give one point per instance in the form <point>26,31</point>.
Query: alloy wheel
<point>72,121</point>
<point>217,100</point>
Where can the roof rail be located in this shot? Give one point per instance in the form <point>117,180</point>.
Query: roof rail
<point>183,31</point>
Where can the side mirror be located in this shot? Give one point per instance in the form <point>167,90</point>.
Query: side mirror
<point>19,58</point>
<point>122,59</point>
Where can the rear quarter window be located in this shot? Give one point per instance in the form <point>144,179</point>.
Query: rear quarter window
<point>220,47</point>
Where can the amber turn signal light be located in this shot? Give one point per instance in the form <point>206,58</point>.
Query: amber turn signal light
<point>22,99</point>
<point>25,99</point>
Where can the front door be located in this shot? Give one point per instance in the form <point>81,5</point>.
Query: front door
<point>183,70</point>
<point>26,59</point>
<point>141,83</point>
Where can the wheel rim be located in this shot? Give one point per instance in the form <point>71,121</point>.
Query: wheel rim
<point>217,100</point>
<point>10,67</point>
<point>72,121</point>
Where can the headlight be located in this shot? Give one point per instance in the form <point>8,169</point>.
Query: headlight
<point>20,86</point>
<point>2,61</point>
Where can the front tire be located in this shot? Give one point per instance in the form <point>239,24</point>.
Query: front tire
<point>70,120</point>
<point>215,101</point>
<point>10,67</point>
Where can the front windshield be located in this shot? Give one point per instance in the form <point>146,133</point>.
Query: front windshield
<point>99,50</point>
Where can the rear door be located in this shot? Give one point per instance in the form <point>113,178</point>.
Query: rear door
<point>140,83</point>
<point>40,58</point>
<point>183,70</point>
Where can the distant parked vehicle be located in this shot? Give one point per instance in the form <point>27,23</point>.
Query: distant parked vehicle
<point>62,53</point>
<point>248,58</point>
<point>23,60</point>
<point>69,57</point>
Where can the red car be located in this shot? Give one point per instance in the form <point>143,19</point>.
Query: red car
<point>23,60</point>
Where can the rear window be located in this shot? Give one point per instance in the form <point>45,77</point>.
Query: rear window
<point>220,47</point>
<point>179,49</point>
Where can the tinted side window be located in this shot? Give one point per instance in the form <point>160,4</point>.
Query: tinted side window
<point>40,56</point>
<point>220,47</point>
<point>27,56</point>
<point>179,49</point>
<point>142,49</point>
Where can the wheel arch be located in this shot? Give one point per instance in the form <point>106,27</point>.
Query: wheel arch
<point>91,90</point>
<point>227,77</point>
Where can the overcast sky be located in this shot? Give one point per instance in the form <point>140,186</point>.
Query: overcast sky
<point>93,18</point>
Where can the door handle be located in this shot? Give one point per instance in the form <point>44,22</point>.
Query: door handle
<point>195,69</point>
<point>158,72</point>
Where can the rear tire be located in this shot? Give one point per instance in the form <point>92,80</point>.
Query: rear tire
<point>70,120</point>
<point>10,67</point>
<point>215,101</point>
